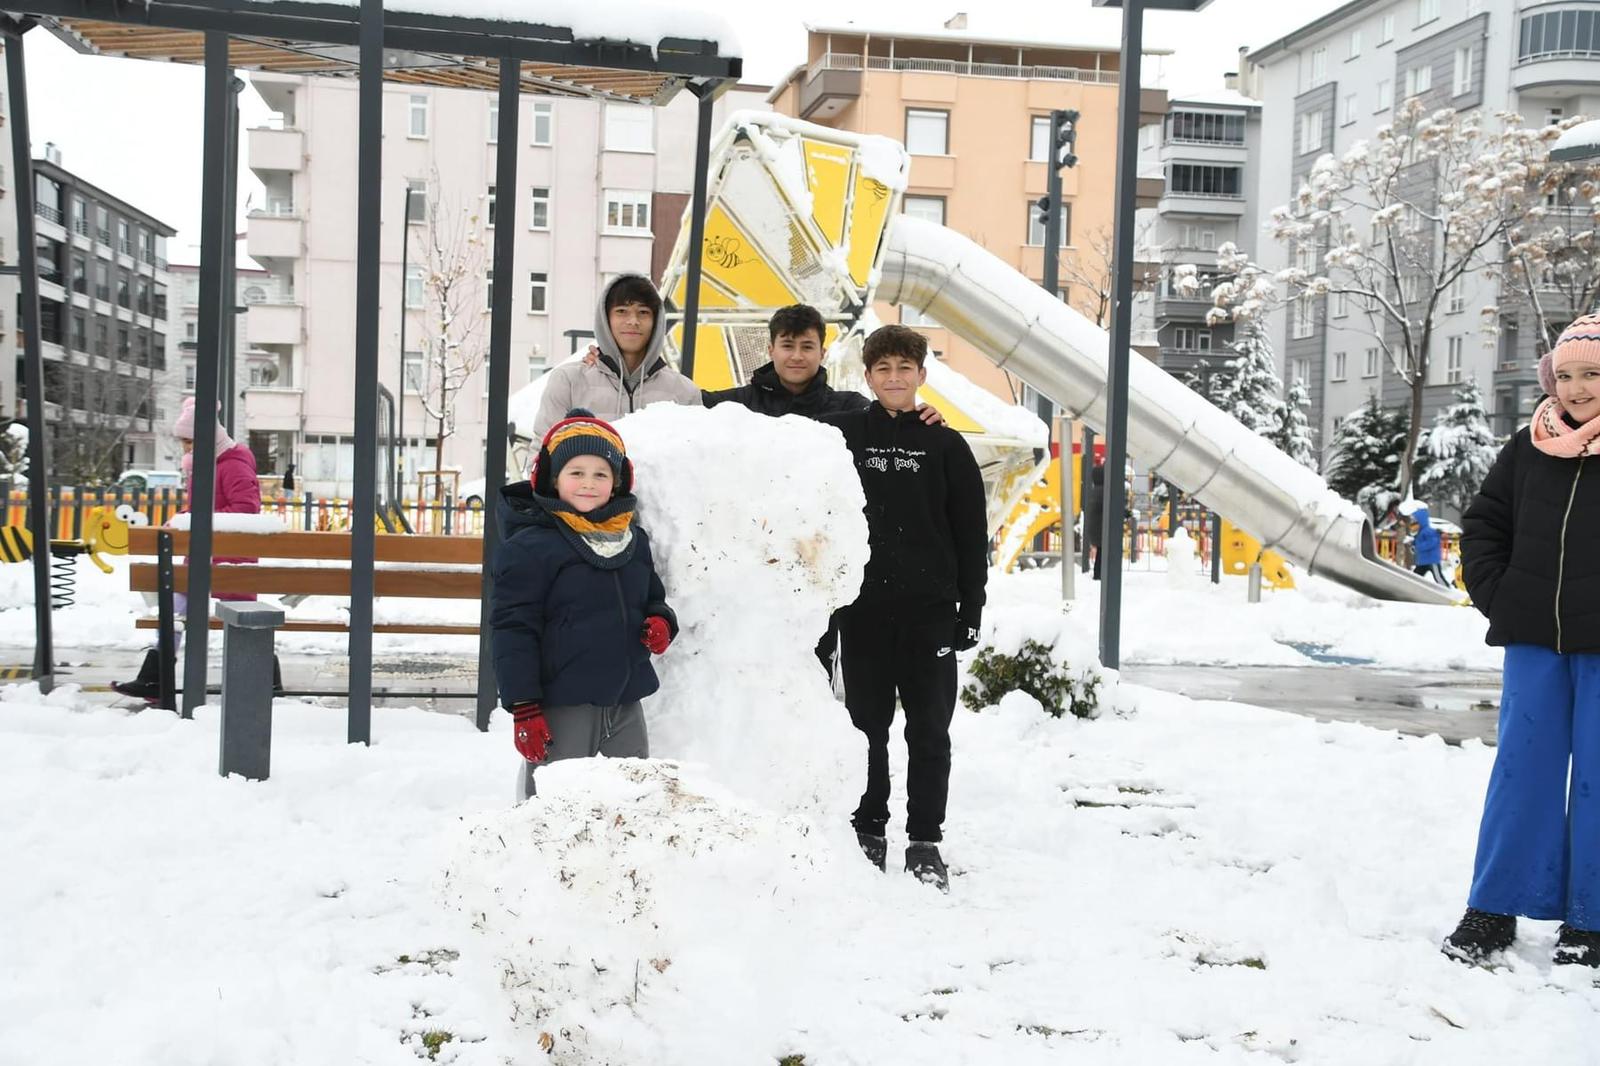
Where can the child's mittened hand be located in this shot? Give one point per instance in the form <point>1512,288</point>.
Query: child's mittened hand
<point>529,731</point>
<point>655,635</point>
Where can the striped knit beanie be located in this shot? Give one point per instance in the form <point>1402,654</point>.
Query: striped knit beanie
<point>581,433</point>
<point>1579,343</point>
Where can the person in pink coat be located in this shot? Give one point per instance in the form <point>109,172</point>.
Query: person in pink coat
<point>237,492</point>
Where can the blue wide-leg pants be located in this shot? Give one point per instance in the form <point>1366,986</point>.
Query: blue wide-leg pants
<point>1539,842</point>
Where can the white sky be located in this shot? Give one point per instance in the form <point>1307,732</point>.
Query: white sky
<point>133,127</point>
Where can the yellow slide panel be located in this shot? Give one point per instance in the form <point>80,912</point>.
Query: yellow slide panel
<point>828,175</point>
<point>869,212</point>
<point>735,261</point>
<point>713,367</point>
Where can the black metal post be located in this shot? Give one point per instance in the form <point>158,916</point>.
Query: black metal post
<point>363,496</point>
<point>1216,548</point>
<point>400,393</point>
<point>697,228</point>
<point>1085,484</point>
<point>228,378</point>
<point>208,351</point>
<point>1121,335</point>
<point>167,634</point>
<point>39,515</point>
<point>494,459</point>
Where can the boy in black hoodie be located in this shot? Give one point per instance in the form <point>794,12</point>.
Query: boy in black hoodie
<point>921,598</point>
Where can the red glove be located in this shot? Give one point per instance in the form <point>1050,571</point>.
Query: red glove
<point>656,634</point>
<point>530,731</point>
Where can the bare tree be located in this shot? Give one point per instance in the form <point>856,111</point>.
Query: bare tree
<point>454,298</point>
<point>1393,226</point>
<point>1090,276</point>
<point>98,409</point>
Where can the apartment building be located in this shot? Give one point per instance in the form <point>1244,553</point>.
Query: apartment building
<point>602,187</point>
<point>1206,150</point>
<point>974,113</point>
<point>103,294</point>
<point>1336,81</point>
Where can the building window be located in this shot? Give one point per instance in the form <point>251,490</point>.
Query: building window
<point>1386,29</point>
<point>927,208</point>
<point>415,296</point>
<point>1369,369</point>
<point>927,132</point>
<point>1341,305</point>
<point>1039,139</point>
<point>188,375</point>
<point>539,208</point>
<point>1574,34</point>
<point>1385,96</point>
<point>1456,295</point>
<point>1419,80</point>
<point>544,122</point>
<point>1410,286</point>
<point>1319,66</point>
<point>1349,108</point>
<point>1300,370</point>
<point>1463,80</point>
<point>1197,237</point>
<point>1201,127</point>
<point>1310,132</point>
<point>488,206</point>
<point>1338,370</point>
<point>494,120</point>
<point>1195,179</point>
<point>418,111</point>
<point>538,293</point>
<point>122,289</point>
<point>1452,365</point>
<point>124,242</point>
<point>80,333</point>
<point>1553,116</point>
<point>1355,43</point>
<point>488,290</point>
<point>416,201</point>
<point>1191,339</point>
<point>1427,11</point>
<point>190,330</point>
<point>1305,317</point>
<point>413,371</point>
<point>1036,226</point>
<point>630,128</point>
<point>627,212</point>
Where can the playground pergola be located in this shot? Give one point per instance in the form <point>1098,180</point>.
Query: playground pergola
<point>448,44</point>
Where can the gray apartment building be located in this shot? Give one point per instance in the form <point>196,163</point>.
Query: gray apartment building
<point>1337,81</point>
<point>103,288</point>
<point>1206,149</point>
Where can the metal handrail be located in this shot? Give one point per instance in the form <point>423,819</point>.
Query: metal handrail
<point>854,61</point>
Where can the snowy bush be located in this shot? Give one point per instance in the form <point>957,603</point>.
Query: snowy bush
<point>1033,669</point>
<point>14,450</point>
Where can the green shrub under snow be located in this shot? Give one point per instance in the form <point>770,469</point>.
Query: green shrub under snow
<point>1034,669</point>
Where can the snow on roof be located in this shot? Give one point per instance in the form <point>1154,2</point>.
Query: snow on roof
<point>1091,30</point>
<point>1214,98</point>
<point>1580,142</point>
<point>644,22</point>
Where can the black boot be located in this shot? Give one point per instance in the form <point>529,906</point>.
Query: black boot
<point>1577,947</point>
<point>876,849</point>
<point>1480,935</point>
<point>924,863</point>
<point>277,677</point>
<point>147,686</point>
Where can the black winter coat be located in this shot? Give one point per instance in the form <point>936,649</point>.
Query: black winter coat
<point>927,514</point>
<point>565,630</point>
<point>767,395</point>
<point>1530,546</point>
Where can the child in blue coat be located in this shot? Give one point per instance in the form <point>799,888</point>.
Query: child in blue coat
<point>1528,547</point>
<point>1427,551</point>
<point>577,608</point>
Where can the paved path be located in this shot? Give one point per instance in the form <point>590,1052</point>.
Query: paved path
<point>1455,705</point>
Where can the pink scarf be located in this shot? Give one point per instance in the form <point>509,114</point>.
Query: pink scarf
<point>1553,436</point>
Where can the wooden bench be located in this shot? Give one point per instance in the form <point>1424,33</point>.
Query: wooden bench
<point>420,576</point>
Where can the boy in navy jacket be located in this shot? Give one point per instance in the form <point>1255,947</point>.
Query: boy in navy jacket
<point>577,608</point>
<point>921,597</point>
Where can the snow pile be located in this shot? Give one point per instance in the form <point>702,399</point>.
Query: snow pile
<point>757,530</point>
<point>234,523</point>
<point>1182,573</point>
<point>616,887</point>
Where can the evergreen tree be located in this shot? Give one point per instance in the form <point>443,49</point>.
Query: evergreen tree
<point>1251,386</point>
<point>1292,434</point>
<point>1364,464</point>
<point>1459,448</point>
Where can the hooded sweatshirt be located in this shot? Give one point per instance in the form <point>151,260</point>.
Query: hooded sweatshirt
<point>607,388</point>
<point>1425,542</point>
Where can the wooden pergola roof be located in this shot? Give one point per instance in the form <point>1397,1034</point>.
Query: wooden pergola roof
<point>319,38</point>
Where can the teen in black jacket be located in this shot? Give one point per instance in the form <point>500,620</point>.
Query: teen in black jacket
<point>921,599</point>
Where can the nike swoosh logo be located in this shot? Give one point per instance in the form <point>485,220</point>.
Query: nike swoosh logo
<point>943,652</point>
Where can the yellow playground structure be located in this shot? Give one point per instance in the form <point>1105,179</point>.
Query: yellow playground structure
<point>105,532</point>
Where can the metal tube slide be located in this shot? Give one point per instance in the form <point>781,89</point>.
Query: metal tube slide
<point>1206,453</point>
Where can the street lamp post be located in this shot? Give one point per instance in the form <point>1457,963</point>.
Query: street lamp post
<point>1116,498</point>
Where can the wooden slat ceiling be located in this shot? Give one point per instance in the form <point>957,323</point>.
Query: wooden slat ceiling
<point>443,71</point>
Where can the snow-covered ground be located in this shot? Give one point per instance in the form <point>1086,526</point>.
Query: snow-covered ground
<point>1173,882</point>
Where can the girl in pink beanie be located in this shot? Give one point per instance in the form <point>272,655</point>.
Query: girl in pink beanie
<point>1528,548</point>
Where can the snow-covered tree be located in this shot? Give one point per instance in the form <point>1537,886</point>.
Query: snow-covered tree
<point>13,451</point>
<point>454,330</point>
<point>1460,448</point>
<point>1251,390</point>
<point>1391,227</point>
<point>1365,456</point>
<point>1292,434</point>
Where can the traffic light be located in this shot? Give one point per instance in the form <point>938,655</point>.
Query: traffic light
<point>1042,205</point>
<point>1064,128</point>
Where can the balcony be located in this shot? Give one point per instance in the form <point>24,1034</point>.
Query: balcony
<point>1183,308</point>
<point>1557,49</point>
<point>275,323</point>
<point>1228,205</point>
<point>277,149</point>
<point>270,407</point>
<point>272,236</point>
<point>853,61</point>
